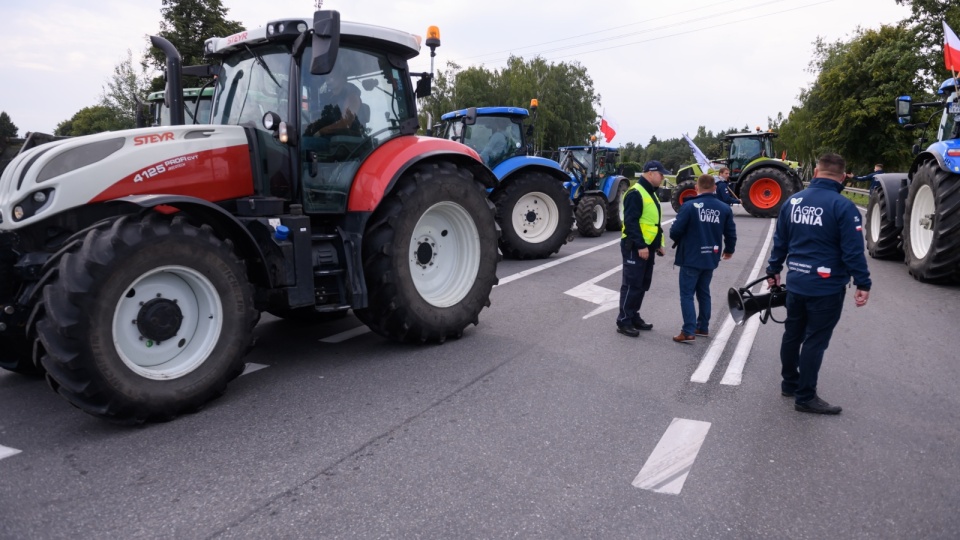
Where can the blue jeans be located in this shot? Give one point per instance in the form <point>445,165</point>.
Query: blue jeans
<point>637,276</point>
<point>695,281</point>
<point>806,335</point>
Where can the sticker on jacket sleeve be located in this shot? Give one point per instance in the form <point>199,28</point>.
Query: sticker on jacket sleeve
<point>823,271</point>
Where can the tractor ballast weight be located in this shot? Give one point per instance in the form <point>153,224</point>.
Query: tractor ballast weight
<point>533,207</point>
<point>135,264</point>
<point>915,216</point>
<point>596,187</point>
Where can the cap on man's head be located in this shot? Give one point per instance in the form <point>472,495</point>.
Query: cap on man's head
<point>655,166</point>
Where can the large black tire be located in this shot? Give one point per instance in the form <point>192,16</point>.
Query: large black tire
<point>591,216</point>
<point>429,256</point>
<point>16,349</point>
<point>883,235</point>
<point>148,320</point>
<point>615,208</point>
<point>931,224</point>
<point>535,216</point>
<point>764,191</point>
<point>684,190</point>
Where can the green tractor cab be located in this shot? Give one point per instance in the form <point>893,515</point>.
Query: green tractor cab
<point>196,107</point>
<point>761,181</point>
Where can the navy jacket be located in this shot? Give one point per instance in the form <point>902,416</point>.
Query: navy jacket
<point>819,234</point>
<point>703,228</point>
<point>632,210</point>
<point>724,194</point>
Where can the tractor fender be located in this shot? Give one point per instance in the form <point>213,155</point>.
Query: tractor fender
<point>506,170</point>
<point>610,186</point>
<point>774,163</point>
<point>938,151</point>
<point>381,170</point>
<point>224,223</point>
<point>890,184</point>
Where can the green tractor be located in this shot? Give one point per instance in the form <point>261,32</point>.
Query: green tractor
<point>761,182</point>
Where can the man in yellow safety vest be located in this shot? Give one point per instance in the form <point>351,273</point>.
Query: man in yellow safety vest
<point>640,239</point>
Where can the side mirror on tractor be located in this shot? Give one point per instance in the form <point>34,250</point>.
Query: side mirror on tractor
<point>904,109</point>
<point>326,42</point>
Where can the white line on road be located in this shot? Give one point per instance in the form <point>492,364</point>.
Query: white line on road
<point>251,367</point>
<point>670,462</point>
<point>6,451</point>
<point>343,336</point>
<point>719,343</point>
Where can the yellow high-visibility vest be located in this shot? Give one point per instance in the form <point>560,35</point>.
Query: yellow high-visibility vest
<point>649,219</point>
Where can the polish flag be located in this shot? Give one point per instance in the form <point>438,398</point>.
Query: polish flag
<point>951,49</point>
<point>609,129</point>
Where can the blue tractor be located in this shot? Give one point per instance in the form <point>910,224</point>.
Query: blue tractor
<point>533,207</point>
<point>916,215</point>
<point>596,187</point>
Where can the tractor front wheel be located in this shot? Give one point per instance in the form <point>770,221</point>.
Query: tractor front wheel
<point>764,190</point>
<point>684,190</point>
<point>429,256</point>
<point>148,320</point>
<point>883,236</point>
<point>591,216</point>
<point>931,224</point>
<point>535,216</point>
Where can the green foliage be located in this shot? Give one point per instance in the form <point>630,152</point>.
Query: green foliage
<point>123,89</point>
<point>926,24</point>
<point>566,114</point>
<point>91,120</point>
<point>849,108</point>
<point>7,128</point>
<point>187,24</point>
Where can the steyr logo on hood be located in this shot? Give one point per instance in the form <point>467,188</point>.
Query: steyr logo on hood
<point>155,138</point>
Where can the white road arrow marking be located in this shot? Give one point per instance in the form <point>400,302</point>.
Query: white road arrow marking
<point>6,452</point>
<point>251,367</point>
<point>670,462</point>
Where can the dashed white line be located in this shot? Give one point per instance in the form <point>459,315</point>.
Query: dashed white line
<point>551,264</point>
<point>6,451</point>
<point>670,462</point>
<point>343,336</point>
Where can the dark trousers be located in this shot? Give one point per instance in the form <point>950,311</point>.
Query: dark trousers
<point>695,281</point>
<point>637,275</point>
<point>806,335</point>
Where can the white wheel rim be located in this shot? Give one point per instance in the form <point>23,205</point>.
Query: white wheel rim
<point>601,216</point>
<point>199,331</point>
<point>874,229</point>
<point>921,222</point>
<point>535,217</point>
<point>444,254</point>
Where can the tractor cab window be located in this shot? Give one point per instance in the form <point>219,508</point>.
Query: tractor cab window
<point>949,122</point>
<point>345,115</point>
<point>252,83</point>
<point>495,138</point>
<point>745,149</point>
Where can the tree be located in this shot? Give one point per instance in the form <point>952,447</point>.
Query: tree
<point>187,24</point>
<point>925,23</point>
<point>123,91</point>
<point>89,120</point>
<point>7,128</point>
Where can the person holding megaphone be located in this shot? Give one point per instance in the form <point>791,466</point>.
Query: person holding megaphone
<point>819,235</point>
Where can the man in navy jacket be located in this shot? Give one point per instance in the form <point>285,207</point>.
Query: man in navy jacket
<point>819,234</point>
<point>703,225</point>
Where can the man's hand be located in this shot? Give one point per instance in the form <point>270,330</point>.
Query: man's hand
<point>644,253</point>
<point>773,280</point>
<point>861,297</point>
<point>660,251</point>
<point>726,256</point>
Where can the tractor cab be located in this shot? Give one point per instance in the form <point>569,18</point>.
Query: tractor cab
<point>590,165</point>
<point>196,104</point>
<point>744,148</point>
<point>496,133</point>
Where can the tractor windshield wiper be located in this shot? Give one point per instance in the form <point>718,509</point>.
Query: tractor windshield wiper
<point>262,64</point>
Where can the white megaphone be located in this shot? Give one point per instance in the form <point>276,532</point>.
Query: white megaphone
<point>744,304</point>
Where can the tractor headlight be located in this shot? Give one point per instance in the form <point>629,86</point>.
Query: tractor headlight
<point>31,204</point>
<point>18,213</point>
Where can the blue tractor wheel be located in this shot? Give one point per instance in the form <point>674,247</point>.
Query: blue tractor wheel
<point>535,216</point>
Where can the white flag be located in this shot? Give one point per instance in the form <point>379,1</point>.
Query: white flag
<point>702,160</point>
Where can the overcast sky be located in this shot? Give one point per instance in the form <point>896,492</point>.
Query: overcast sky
<point>662,68</point>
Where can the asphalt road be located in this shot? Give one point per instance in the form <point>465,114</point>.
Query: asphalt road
<point>536,424</point>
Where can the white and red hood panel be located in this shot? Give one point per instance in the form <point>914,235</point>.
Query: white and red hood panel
<point>210,162</point>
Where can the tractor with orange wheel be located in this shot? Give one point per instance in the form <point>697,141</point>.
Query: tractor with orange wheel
<point>761,182</point>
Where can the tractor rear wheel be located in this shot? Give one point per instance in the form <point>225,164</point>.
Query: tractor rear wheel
<point>535,216</point>
<point>148,320</point>
<point>429,256</point>
<point>883,236</point>
<point>591,216</point>
<point>684,190</point>
<point>931,224</point>
<point>764,190</point>
<point>615,208</point>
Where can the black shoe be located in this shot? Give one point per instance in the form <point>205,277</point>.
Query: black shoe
<point>784,393</point>
<point>640,324</point>
<point>817,406</point>
<point>628,331</point>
